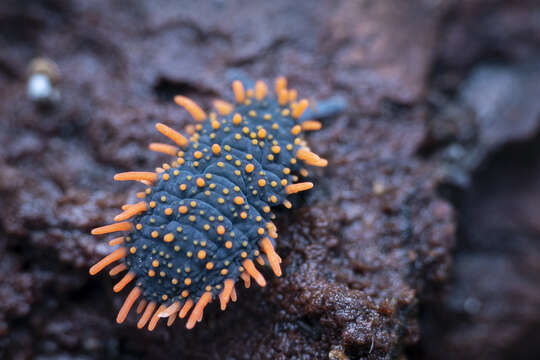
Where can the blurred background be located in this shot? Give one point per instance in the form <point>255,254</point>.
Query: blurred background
<point>420,240</point>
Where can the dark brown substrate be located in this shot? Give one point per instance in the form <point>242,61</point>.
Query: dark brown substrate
<point>440,139</point>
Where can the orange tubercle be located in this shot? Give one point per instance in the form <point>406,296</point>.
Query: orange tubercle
<point>310,158</point>
<point>137,176</point>
<point>198,310</point>
<point>128,303</point>
<point>273,258</point>
<point>223,107</point>
<point>281,84</point>
<point>194,110</point>
<point>300,108</point>
<point>260,90</point>
<point>146,315</point>
<point>239,92</point>
<point>125,280</point>
<point>172,134</point>
<point>294,188</point>
<point>121,226</point>
<point>131,211</point>
<point>185,309</point>
<point>107,260</point>
<point>163,148</point>
<point>311,125</point>
<point>254,273</point>
<point>226,293</point>
<point>155,318</point>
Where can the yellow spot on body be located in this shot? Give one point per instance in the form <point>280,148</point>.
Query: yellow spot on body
<point>155,234</point>
<point>237,119</point>
<point>238,200</point>
<point>221,229</point>
<point>168,237</point>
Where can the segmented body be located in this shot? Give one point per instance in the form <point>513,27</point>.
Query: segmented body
<point>206,217</point>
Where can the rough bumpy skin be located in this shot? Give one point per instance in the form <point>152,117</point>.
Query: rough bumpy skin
<point>207,216</point>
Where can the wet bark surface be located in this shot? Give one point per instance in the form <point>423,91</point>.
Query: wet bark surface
<point>419,240</point>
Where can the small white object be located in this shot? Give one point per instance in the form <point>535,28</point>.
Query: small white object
<point>39,87</point>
